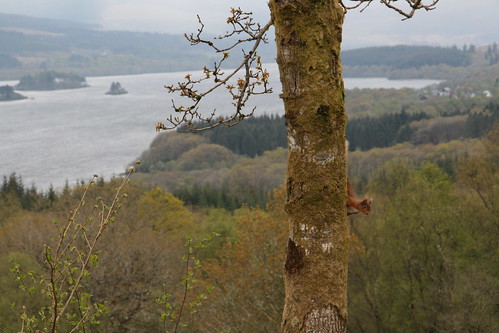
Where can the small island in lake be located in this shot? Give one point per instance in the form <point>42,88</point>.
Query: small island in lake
<point>7,93</point>
<point>116,89</point>
<point>51,80</point>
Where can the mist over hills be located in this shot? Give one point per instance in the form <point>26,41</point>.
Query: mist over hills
<point>30,45</point>
<point>43,24</point>
<point>34,44</point>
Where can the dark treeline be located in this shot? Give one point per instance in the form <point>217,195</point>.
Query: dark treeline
<point>252,136</point>
<point>369,132</point>
<point>478,123</point>
<point>258,134</point>
<point>224,169</point>
<point>387,130</point>
<point>405,56</point>
<point>492,54</point>
<point>207,195</point>
<point>14,192</point>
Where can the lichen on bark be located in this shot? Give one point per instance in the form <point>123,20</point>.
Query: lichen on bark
<point>308,39</point>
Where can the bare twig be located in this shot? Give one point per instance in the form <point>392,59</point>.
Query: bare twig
<point>413,6</point>
<point>254,80</point>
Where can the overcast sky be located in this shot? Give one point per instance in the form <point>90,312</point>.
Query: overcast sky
<point>453,22</point>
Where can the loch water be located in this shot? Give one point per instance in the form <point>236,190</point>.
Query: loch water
<point>69,135</point>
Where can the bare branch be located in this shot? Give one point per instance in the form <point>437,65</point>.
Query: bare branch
<point>358,4</point>
<point>413,6</point>
<point>253,81</point>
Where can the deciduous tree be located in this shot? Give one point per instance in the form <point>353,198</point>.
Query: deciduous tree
<point>308,36</point>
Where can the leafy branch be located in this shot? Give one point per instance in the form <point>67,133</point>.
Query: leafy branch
<point>69,261</point>
<point>172,314</point>
<point>253,81</point>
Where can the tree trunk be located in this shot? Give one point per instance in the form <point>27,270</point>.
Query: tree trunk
<point>308,38</point>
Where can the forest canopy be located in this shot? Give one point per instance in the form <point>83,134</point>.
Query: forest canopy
<point>430,242</point>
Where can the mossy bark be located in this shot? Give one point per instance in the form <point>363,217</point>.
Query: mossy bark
<point>308,38</point>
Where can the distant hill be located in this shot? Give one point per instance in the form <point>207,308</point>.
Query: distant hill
<point>405,56</point>
<point>35,44</point>
<point>30,45</point>
<point>416,62</point>
<point>43,24</point>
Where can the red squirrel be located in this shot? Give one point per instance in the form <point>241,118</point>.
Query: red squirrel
<point>354,204</point>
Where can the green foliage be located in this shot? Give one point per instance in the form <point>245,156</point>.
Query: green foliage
<point>384,131</point>
<point>204,174</point>
<point>175,310</point>
<point>481,121</point>
<point>364,164</point>
<point>424,260</point>
<point>163,211</point>
<point>248,275</point>
<point>433,120</point>
<point>216,221</point>
<point>210,175</point>
<point>407,271</point>
<point>251,137</point>
<point>376,102</point>
<point>206,195</point>
<point>135,256</point>
<point>18,289</point>
<point>248,181</point>
<point>67,263</point>
<point>205,156</point>
<point>167,147</point>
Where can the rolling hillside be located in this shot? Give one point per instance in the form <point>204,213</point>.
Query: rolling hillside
<point>30,45</point>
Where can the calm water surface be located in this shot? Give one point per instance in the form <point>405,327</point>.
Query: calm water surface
<point>69,135</point>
